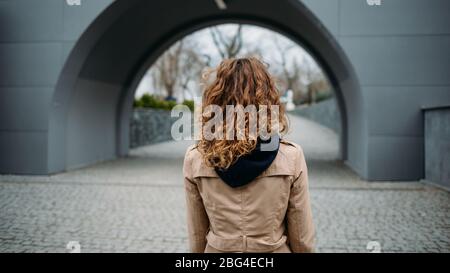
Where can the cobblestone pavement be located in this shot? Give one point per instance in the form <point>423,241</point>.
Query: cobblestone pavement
<point>136,204</point>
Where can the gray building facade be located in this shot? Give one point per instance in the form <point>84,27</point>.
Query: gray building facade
<point>68,73</point>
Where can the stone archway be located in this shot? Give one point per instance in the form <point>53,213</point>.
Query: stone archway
<point>93,98</point>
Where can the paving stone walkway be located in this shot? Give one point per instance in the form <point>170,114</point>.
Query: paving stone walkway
<point>136,204</point>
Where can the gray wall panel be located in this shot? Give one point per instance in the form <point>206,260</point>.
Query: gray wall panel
<point>23,152</point>
<point>395,158</point>
<point>27,21</point>
<point>421,60</point>
<point>397,110</point>
<point>78,18</point>
<point>437,146</point>
<point>395,17</point>
<point>327,11</point>
<point>24,108</point>
<point>30,64</point>
<point>67,48</point>
<point>92,123</point>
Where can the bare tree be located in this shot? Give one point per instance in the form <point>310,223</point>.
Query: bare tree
<point>290,70</point>
<point>227,46</point>
<point>167,69</point>
<point>317,82</point>
<point>290,76</point>
<point>193,64</point>
<point>177,67</point>
<point>182,64</point>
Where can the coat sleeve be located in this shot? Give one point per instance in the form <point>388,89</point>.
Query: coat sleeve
<point>197,219</point>
<point>300,225</point>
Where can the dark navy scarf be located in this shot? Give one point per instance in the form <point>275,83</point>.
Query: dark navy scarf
<point>250,166</point>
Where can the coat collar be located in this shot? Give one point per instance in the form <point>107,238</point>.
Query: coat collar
<point>282,165</point>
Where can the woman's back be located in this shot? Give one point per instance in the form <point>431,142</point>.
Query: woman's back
<point>270,213</point>
<point>246,190</point>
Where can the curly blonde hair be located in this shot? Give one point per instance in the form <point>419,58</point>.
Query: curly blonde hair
<point>238,82</point>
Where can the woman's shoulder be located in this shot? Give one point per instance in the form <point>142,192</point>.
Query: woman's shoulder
<point>194,165</point>
<point>287,161</point>
<point>188,159</point>
<point>192,152</point>
<point>290,147</point>
<point>291,154</point>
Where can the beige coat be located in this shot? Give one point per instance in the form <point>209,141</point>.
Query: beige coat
<point>270,214</point>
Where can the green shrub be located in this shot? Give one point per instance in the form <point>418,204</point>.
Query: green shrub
<point>189,103</point>
<point>150,101</point>
<point>137,103</point>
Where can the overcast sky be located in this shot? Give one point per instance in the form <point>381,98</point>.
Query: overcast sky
<point>252,36</point>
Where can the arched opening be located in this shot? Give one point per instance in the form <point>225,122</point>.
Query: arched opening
<point>175,77</point>
<point>89,118</point>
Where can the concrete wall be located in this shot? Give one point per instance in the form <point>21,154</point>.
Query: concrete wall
<point>437,146</point>
<point>150,126</point>
<point>96,71</point>
<point>35,40</point>
<point>325,113</point>
<point>399,51</point>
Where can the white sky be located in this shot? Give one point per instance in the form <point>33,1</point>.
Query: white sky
<point>253,36</point>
